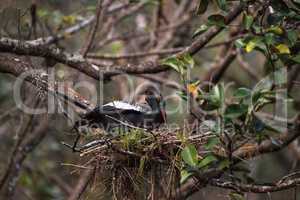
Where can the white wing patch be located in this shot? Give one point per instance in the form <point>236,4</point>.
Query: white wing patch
<point>125,106</point>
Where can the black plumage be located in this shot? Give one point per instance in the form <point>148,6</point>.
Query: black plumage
<point>123,114</point>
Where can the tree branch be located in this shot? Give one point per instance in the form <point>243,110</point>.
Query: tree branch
<point>257,188</point>
<point>75,28</point>
<point>33,48</point>
<point>11,177</point>
<point>267,146</point>
<point>16,66</point>
<point>212,32</point>
<point>92,34</point>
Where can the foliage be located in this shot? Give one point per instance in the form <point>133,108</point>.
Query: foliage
<point>226,120</point>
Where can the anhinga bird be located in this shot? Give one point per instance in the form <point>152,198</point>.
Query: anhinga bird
<point>120,114</point>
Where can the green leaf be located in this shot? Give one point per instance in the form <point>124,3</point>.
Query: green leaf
<point>216,96</point>
<point>224,164</point>
<point>269,38</point>
<point>211,143</point>
<point>218,20</point>
<point>200,30</point>
<point>172,62</point>
<point>188,61</point>
<point>276,30</point>
<point>247,21</point>
<point>235,110</point>
<point>91,8</point>
<point>69,19</point>
<point>43,13</point>
<point>202,7</point>
<point>221,91</point>
<point>222,4</point>
<point>296,58</point>
<point>296,3</point>
<point>179,64</point>
<point>142,165</point>
<point>292,36</point>
<point>207,160</point>
<point>183,95</point>
<point>283,49</point>
<point>116,47</point>
<point>242,93</point>
<point>190,155</point>
<point>239,43</point>
<point>252,44</point>
<point>26,180</point>
<point>236,196</point>
<point>184,175</point>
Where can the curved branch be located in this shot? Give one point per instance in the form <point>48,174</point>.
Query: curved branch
<point>16,66</point>
<point>212,32</point>
<point>267,146</point>
<point>257,188</point>
<point>8,182</point>
<point>76,60</point>
<point>34,48</point>
<point>75,28</point>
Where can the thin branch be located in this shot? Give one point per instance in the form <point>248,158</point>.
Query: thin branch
<point>162,81</point>
<point>257,188</point>
<point>212,32</point>
<point>157,52</point>
<point>79,63</point>
<point>294,75</point>
<point>137,34</point>
<point>92,34</point>
<point>22,132</point>
<point>267,146</point>
<point>217,72</point>
<point>10,180</point>
<point>76,60</point>
<point>113,22</point>
<point>135,55</point>
<point>16,66</point>
<point>75,28</point>
<point>245,66</point>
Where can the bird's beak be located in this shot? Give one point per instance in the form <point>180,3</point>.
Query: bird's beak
<point>162,109</point>
<point>158,98</point>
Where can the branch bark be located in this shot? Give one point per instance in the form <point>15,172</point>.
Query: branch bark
<point>16,66</point>
<point>34,48</point>
<point>257,188</point>
<point>9,180</point>
<point>267,146</point>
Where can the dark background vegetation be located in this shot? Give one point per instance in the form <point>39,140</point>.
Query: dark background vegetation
<point>32,157</point>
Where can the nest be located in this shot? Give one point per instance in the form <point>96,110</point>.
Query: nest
<point>140,164</point>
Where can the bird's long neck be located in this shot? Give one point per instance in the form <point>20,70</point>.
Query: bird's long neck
<point>155,106</point>
<point>158,109</point>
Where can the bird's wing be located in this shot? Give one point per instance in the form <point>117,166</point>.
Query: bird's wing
<point>145,107</point>
<point>120,105</point>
